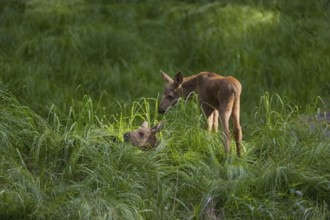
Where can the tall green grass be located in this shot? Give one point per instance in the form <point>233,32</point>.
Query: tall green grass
<point>75,168</point>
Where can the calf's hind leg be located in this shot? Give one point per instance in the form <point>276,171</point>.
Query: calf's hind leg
<point>224,113</point>
<point>236,124</point>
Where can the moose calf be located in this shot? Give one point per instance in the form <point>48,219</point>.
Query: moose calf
<point>144,137</point>
<point>217,95</point>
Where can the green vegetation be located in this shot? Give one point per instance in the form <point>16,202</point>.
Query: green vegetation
<point>76,74</point>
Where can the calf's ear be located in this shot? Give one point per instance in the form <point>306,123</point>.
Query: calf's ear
<point>157,128</point>
<point>178,79</point>
<point>144,124</point>
<point>166,77</point>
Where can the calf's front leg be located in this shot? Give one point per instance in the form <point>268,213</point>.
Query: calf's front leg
<point>210,120</point>
<point>215,120</point>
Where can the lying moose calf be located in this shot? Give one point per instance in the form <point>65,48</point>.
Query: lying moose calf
<point>144,137</point>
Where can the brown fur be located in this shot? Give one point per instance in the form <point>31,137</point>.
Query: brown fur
<point>143,137</point>
<point>219,96</point>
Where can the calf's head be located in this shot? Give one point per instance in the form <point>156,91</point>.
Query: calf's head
<point>172,92</point>
<point>144,136</point>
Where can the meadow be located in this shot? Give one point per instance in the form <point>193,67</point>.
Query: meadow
<point>75,75</point>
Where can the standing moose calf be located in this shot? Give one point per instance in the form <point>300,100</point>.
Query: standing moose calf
<point>217,95</point>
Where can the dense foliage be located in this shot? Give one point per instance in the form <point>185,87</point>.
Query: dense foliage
<point>76,74</point>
